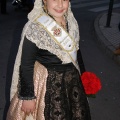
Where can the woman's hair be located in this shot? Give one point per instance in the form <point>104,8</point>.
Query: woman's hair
<point>38,9</point>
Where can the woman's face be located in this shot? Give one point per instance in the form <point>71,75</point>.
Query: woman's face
<point>57,8</point>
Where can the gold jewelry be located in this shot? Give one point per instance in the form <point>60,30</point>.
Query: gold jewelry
<point>45,8</point>
<point>63,25</point>
<point>66,14</point>
<point>57,31</point>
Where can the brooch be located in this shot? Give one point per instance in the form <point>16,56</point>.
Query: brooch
<point>56,31</point>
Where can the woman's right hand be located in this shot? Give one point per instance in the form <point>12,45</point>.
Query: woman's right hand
<point>28,106</point>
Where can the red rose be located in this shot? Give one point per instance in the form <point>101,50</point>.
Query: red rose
<point>91,83</point>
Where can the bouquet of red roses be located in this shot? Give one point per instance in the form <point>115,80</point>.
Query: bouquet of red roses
<point>91,83</point>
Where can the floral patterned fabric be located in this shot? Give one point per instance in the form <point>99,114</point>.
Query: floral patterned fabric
<point>65,98</point>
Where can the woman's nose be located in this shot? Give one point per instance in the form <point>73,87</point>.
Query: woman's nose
<point>60,3</point>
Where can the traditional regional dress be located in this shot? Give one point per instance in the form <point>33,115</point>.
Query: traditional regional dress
<point>49,73</point>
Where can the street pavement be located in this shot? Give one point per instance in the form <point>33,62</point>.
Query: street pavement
<point>11,25</point>
<point>10,30</point>
<point>108,37</point>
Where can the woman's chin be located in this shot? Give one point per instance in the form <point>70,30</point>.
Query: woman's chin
<point>57,14</point>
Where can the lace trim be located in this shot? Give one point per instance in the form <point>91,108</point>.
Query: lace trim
<point>26,98</point>
<point>43,40</point>
<point>15,77</point>
<point>73,28</point>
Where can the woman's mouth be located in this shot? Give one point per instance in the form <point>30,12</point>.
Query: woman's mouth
<point>59,11</point>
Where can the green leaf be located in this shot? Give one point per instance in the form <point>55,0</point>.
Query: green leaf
<point>91,95</point>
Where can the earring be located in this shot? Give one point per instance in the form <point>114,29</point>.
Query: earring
<point>66,15</point>
<point>45,8</point>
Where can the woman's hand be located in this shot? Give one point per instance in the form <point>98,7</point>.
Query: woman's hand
<point>28,106</point>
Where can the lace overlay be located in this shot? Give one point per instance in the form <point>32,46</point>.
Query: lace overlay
<point>43,40</point>
<point>65,98</point>
<point>15,77</point>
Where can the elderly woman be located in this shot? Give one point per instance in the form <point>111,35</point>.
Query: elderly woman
<point>46,81</point>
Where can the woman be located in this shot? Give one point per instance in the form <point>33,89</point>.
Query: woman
<point>46,67</point>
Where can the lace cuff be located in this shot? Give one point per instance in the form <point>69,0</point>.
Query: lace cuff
<point>25,92</point>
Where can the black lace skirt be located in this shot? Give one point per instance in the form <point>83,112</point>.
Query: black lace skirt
<point>65,97</point>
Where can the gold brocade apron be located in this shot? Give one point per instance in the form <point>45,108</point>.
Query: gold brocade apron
<point>40,77</point>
